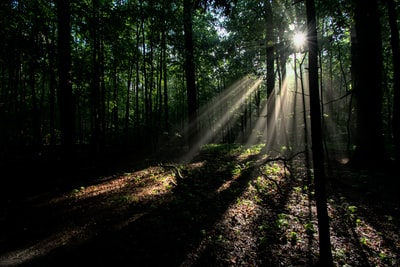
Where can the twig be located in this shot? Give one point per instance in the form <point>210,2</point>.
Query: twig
<point>285,163</point>
<point>282,158</point>
<point>175,168</point>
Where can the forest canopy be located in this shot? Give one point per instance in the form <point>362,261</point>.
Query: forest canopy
<point>184,114</point>
<point>142,74</point>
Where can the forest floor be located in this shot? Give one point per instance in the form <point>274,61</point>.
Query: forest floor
<point>228,206</point>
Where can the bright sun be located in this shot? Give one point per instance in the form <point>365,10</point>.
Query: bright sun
<point>299,39</point>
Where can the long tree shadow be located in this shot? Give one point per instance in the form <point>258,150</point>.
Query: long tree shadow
<point>152,233</point>
<point>227,207</point>
<point>365,216</point>
<point>288,223</point>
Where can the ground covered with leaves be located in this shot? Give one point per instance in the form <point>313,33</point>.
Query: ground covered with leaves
<point>230,205</point>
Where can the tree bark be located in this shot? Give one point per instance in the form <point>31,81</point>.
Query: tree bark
<point>325,252</point>
<point>368,66</point>
<point>190,71</point>
<point>67,124</point>
<point>97,114</point>
<point>164,69</point>
<point>270,46</point>
<point>394,30</point>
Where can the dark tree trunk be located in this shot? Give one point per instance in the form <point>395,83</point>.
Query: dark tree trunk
<point>325,252</point>
<point>270,47</point>
<point>164,55</point>
<point>368,66</point>
<point>52,90</point>
<point>394,30</point>
<point>36,124</point>
<point>67,125</point>
<point>98,126</point>
<point>190,71</point>
<point>270,58</point>
<point>114,118</point>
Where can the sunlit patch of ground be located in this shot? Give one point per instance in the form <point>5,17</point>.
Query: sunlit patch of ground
<point>143,184</point>
<point>361,239</point>
<point>230,206</point>
<point>265,226</point>
<point>274,223</point>
<point>101,201</point>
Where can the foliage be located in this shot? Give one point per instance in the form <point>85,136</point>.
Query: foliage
<point>133,51</point>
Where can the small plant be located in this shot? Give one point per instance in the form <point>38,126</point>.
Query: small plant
<point>293,238</point>
<point>262,240</point>
<point>363,241</point>
<point>261,185</point>
<point>340,253</point>
<point>137,179</point>
<point>352,209</point>
<point>297,189</point>
<point>255,149</point>
<point>237,169</point>
<point>385,258</point>
<point>76,191</point>
<point>273,169</point>
<point>309,227</point>
<point>121,199</point>
<point>282,221</point>
<point>351,214</point>
<point>203,232</point>
<point>257,199</point>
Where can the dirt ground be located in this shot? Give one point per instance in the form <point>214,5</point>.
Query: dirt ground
<point>228,206</point>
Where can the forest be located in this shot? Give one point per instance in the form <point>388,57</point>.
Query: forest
<point>199,133</point>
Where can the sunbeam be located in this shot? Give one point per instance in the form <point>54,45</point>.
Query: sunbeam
<point>280,121</point>
<point>220,113</point>
<point>277,125</point>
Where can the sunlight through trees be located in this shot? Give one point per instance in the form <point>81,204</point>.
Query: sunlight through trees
<point>230,112</point>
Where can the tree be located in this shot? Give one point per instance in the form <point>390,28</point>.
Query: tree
<point>188,7</point>
<point>367,82</point>
<point>325,255</point>
<point>65,96</point>
<point>270,47</point>
<point>394,30</point>
<point>97,94</point>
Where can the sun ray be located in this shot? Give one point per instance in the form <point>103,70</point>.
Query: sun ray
<point>278,126</point>
<point>213,118</point>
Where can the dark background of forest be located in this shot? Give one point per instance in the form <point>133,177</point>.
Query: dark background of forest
<point>89,87</point>
<point>121,74</point>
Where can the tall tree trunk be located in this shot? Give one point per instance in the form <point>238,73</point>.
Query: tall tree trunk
<point>52,101</point>
<point>67,125</point>
<point>128,103</point>
<point>325,252</point>
<point>190,71</point>
<point>270,46</point>
<point>145,83</point>
<point>164,52</point>
<point>370,150</point>
<point>394,30</point>
<point>36,125</point>
<point>98,141</point>
<point>114,118</point>
<point>52,90</point>
<point>270,58</point>
<point>137,77</point>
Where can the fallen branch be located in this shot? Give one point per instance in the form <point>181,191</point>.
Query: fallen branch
<point>178,171</point>
<point>283,159</point>
<point>285,164</point>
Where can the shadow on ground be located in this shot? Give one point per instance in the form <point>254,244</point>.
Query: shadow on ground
<point>228,206</point>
